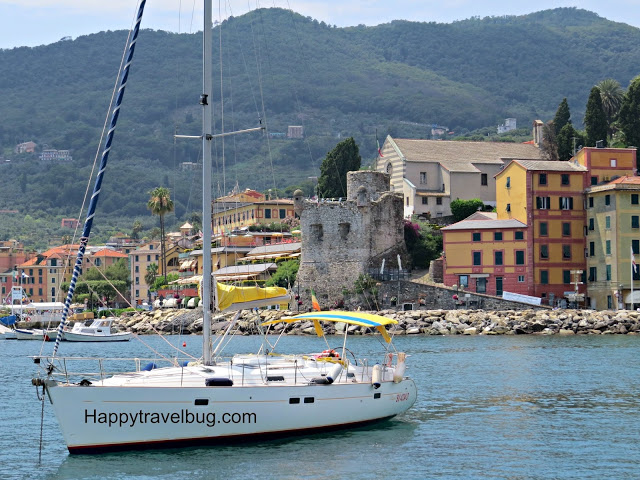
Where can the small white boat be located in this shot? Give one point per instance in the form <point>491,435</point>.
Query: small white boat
<point>99,331</point>
<point>7,333</point>
<point>40,334</point>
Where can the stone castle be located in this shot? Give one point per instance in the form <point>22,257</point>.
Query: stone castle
<point>343,239</point>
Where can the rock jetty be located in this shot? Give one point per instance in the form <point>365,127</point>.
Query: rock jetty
<point>414,322</point>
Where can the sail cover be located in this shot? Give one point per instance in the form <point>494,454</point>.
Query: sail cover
<point>9,320</point>
<point>237,298</point>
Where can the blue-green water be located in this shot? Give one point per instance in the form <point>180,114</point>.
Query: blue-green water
<point>503,407</point>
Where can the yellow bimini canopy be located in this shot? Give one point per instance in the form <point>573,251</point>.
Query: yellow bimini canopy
<point>352,318</point>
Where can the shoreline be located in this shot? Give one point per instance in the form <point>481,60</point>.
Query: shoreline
<point>412,322</point>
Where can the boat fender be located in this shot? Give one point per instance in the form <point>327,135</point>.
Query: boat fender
<point>218,382</point>
<point>185,363</point>
<point>84,383</point>
<point>389,359</point>
<point>335,372</point>
<point>320,381</point>
<point>148,367</point>
<point>46,338</point>
<point>376,376</point>
<point>398,372</point>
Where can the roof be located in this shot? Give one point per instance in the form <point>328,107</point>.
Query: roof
<point>276,248</point>
<point>546,165</point>
<point>626,180</point>
<point>457,156</point>
<point>107,252</point>
<point>253,268</point>
<point>621,183</point>
<point>485,224</point>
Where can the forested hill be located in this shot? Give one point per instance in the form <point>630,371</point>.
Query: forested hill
<point>399,78</point>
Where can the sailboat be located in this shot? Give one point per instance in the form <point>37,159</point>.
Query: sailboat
<point>215,399</point>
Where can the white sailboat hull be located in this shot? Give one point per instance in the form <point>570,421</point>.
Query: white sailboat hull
<point>36,334</point>
<point>88,337</point>
<point>102,418</point>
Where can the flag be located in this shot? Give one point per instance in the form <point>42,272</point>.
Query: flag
<point>633,261</point>
<point>378,144</point>
<point>314,301</point>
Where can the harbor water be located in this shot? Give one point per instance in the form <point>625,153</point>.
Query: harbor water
<point>489,407</point>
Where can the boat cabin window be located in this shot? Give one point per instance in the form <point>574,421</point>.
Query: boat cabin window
<point>201,401</point>
<point>294,400</point>
<point>309,399</point>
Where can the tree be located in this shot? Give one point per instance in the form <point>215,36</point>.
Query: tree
<point>629,116</point>
<point>611,94</point>
<point>160,204</point>
<point>150,275</point>
<point>595,120</point>
<point>563,116</point>
<point>549,146</point>
<point>423,243</point>
<point>566,140</point>
<point>461,209</point>
<point>285,275</point>
<point>345,157</point>
<point>136,229</point>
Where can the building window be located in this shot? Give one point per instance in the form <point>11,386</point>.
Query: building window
<point>483,179</point>
<point>519,235</point>
<point>566,252</point>
<point>508,182</point>
<point>566,229</point>
<point>592,249</point>
<point>635,246</point>
<point>423,178</point>
<point>544,252</point>
<point>635,221</point>
<point>498,258</point>
<point>148,258</point>
<point>519,257</point>
<point>544,277</point>
<point>477,237</point>
<point>407,201</point>
<point>590,202</point>
<point>613,162</point>
<point>137,280</point>
<point>477,258</point>
<point>634,199</point>
<point>463,281</point>
<point>591,224</point>
<point>267,211</point>
<point>389,168</point>
<point>566,203</point>
<point>544,229</point>
<point>542,179</point>
<point>594,180</point>
<point>607,222</point>
<point>521,278</point>
<point>499,286</point>
<point>425,200</point>
<point>497,236</point>
<point>609,302</point>
<point>481,285</point>
<point>607,247</point>
<point>564,179</point>
<point>438,200</point>
<point>283,213</point>
<point>543,203</point>
<point>607,199</point>
<point>137,293</point>
<point>508,207</point>
<point>137,269</point>
<point>593,274</point>
<point>608,273</point>
<point>566,276</point>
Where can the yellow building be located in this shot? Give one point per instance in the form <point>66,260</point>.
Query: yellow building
<point>139,261</point>
<point>228,216</point>
<point>604,164</point>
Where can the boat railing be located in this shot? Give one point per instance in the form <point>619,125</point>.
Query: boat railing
<point>74,369</point>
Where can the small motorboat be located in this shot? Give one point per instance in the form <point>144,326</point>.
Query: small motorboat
<point>99,330</point>
<point>47,335</point>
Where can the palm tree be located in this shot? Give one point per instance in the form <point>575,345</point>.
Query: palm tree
<point>611,94</point>
<point>150,276</point>
<point>160,203</point>
<point>137,228</point>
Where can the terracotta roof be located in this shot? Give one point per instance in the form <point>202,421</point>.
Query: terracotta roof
<point>107,252</point>
<point>454,154</point>
<point>485,224</point>
<point>626,180</point>
<point>540,165</point>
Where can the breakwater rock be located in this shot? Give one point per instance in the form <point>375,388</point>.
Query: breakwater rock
<point>413,322</point>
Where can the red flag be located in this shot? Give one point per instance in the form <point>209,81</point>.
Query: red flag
<point>379,151</point>
<point>314,302</point>
<point>633,261</point>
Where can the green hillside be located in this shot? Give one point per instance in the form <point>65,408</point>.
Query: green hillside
<point>284,69</point>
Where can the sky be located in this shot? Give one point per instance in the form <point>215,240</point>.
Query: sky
<point>40,22</point>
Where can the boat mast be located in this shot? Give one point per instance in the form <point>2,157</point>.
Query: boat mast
<point>207,138</point>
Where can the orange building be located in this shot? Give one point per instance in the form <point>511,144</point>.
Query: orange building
<point>547,199</point>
